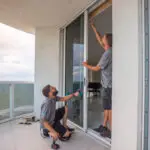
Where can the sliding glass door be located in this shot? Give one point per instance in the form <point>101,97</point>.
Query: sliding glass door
<point>74,78</point>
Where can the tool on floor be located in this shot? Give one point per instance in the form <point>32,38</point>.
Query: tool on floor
<point>28,120</point>
<point>45,134</point>
<point>54,145</point>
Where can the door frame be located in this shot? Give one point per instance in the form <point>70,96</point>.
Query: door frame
<point>85,91</point>
<point>145,19</point>
<point>85,72</point>
<point>86,12</point>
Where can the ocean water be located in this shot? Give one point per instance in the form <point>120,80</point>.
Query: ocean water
<point>23,95</point>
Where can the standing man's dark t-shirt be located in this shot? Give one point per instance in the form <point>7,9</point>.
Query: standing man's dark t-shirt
<point>105,64</point>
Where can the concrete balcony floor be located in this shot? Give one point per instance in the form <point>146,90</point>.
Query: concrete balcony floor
<point>21,137</point>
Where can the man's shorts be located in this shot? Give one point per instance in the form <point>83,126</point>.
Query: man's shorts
<point>106,94</point>
<point>60,112</point>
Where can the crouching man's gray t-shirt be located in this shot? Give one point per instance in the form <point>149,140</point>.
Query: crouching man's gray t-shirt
<point>105,65</point>
<point>48,109</point>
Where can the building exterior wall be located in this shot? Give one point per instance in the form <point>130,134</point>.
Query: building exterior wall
<point>46,62</point>
<point>126,77</point>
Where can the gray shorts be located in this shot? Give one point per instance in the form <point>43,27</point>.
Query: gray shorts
<point>106,94</point>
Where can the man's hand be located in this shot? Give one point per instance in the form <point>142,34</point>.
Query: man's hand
<point>76,93</point>
<point>93,68</point>
<point>92,25</point>
<point>91,22</point>
<point>85,64</point>
<point>52,131</point>
<point>54,134</point>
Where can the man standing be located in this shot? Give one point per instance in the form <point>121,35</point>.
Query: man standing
<point>105,65</point>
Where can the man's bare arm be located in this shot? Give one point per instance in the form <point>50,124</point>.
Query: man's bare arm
<point>98,36</point>
<point>53,133</point>
<point>66,98</point>
<point>48,126</point>
<point>93,68</point>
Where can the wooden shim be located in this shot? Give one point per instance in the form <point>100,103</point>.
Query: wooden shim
<point>100,8</point>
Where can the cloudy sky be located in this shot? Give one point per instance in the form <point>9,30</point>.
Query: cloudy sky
<point>16,55</point>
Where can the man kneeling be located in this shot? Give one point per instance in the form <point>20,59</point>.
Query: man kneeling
<point>50,117</point>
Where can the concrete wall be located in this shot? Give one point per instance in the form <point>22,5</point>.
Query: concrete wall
<point>103,23</point>
<point>125,74</point>
<point>46,62</point>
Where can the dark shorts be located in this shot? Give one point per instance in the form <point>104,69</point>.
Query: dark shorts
<point>106,94</point>
<point>57,124</point>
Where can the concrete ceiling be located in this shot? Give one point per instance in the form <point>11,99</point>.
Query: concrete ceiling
<point>28,14</point>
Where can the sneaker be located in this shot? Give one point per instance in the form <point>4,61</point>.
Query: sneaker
<point>44,133</point>
<point>109,136</point>
<point>106,132</point>
<point>70,129</point>
<point>63,139</point>
<point>99,129</point>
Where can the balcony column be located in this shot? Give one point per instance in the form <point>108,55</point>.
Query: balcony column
<point>46,63</point>
<point>127,75</point>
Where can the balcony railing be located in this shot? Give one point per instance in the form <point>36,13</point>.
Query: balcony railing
<point>16,99</point>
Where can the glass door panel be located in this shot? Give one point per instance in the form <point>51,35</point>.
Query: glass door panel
<point>74,69</point>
